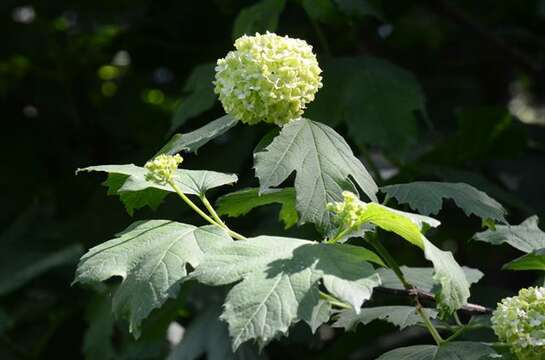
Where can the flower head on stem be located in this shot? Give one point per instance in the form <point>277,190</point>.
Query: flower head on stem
<point>162,167</point>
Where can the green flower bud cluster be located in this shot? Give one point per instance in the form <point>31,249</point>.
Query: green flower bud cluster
<point>349,213</point>
<point>519,321</point>
<point>162,168</point>
<point>267,78</point>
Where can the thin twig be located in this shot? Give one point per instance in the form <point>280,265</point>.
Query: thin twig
<point>424,295</point>
<point>191,204</point>
<point>392,264</point>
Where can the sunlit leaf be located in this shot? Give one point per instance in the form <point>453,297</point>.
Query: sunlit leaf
<point>324,166</point>
<point>151,258</point>
<point>280,282</point>
<point>320,315</point>
<point>192,141</point>
<point>534,260</point>
<point>525,237</point>
<point>400,316</point>
<point>130,182</point>
<point>421,278</point>
<point>454,287</point>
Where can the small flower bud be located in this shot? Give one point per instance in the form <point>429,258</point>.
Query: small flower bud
<point>267,78</point>
<point>348,213</point>
<point>519,322</point>
<point>162,168</point>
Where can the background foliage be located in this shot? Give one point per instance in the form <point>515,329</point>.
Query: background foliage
<point>424,90</point>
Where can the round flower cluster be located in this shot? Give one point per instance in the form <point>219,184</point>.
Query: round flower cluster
<point>348,213</point>
<point>519,321</point>
<point>162,168</point>
<point>267,78</point>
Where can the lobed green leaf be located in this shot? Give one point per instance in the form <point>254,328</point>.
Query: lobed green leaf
<point>151,258</point>
<point>465,350</point>
<point>526,237</point>
<point>323,163</point>
<point>400,316</point>
<point>421,278</point>
<point>136,191</point>
<point>280,282</point>
<point>454,287</point>
<point>426,197</point>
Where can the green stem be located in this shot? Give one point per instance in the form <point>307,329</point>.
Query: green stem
<point>388,259</point>
<point>211,210</point>
<point>457,333</point>
<point>433,331</point>
<point>202,213</point>
<point>457,319</point>
<point>333,301</point>
<point>216,217</point>
<point>339,236</point>
<point>392,264</point>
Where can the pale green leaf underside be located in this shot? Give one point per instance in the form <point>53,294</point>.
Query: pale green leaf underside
<point>150,257</point>
<point>454,287</point>
<point>427,197</point>
<point>192,141</point>
<point>525,237</point>
<point>260,17</point>
<point>241,202</point>
<point>421,278</point>
<point>400,316</point>
<point>449,351</point>
<point>208,335</point>
<point>320,315</point>
<point>130,183</point>
<point>279,282</point>
<point>323,163</point>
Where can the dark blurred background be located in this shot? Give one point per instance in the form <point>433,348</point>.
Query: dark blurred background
<point>446,90</point>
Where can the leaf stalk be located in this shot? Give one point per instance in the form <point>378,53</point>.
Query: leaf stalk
<point>198,210</point>
<point>392,263</point>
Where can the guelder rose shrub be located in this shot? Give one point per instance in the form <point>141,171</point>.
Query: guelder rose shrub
<point>279,281</point>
